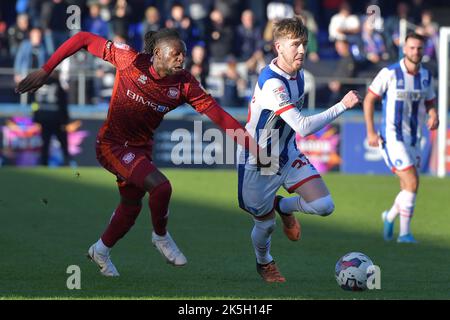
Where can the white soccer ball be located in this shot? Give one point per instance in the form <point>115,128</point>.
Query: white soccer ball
<point>351,271</point>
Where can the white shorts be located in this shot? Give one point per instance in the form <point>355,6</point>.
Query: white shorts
<point>400,156</point>
<point>256,192</point>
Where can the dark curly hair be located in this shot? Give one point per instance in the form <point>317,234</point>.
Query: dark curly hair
<point>153,38</point>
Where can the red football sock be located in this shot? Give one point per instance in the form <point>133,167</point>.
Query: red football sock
<point>121,222</point>
<point>159,207</point>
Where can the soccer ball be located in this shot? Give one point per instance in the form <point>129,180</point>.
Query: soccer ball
<point>351,271</point>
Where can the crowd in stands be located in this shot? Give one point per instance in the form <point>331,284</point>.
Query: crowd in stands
<point>227,39</point>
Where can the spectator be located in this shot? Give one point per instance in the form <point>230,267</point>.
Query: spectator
<point>94,22</point>
<point>34,12</point>
<point>183,24</point>
<point>220,37</point>
<point>55,29</point>
<point>230,9</point>
<point>312,47</point>
<point>278,10</point>
<point>254,66</point>
<point>300,10</point>
<point>275,11</point>
<point>248,37</point>
<point>51,112</point>
<point>199,12</point>
<point>329,8</point>
<point>430,30</point>
<point>120,21</point>
<point>344,25</point>
<point>198,64</point>
<point>233,83</point>
<point>30,55</point>
<point>373,44</point>
<point>417,8</point>
<point>152,21</point>
<point>106,9</point>
<point>392,30</point>
<point>250,46</point>
<point>346,68</point>
<point>268,33</point>
<point>311,25</point>
<point>18,32</point>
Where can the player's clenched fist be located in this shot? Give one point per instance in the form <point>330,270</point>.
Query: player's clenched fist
<point>373,139</point>
<point>351,99</point>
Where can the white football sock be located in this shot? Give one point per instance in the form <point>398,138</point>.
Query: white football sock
<point>406,205</point>
<point>101,248</point>
<point>289,205</point>
<point>261,237</point>
<point>393,212</point>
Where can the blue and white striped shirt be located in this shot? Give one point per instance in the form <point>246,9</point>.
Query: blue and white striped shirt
<point>404,97</point>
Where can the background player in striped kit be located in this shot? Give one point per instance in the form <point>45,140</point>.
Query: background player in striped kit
<point>406,90</point>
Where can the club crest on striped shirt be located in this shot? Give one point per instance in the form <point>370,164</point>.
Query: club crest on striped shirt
<point>281,95</point>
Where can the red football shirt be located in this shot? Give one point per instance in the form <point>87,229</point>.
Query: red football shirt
<point>141,98</point>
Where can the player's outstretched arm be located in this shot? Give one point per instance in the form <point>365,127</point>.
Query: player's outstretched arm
<point>234,129</point>
<point>369,107</point>
<point>205,104</point>
<point>82,40</point>
<point>305,126</point>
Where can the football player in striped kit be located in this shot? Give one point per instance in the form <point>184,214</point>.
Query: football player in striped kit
<point>407,94</point>
<point>273,120</point>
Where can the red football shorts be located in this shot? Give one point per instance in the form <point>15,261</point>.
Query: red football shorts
<point>131,165</point>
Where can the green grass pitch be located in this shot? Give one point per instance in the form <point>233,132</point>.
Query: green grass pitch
<point>49,218</point>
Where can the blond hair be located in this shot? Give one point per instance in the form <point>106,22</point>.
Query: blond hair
<point>290,28</point>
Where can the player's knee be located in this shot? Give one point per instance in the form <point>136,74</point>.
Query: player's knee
<point>127,212</point>
<point>132,212</point>
<point>156,181</point>
<point>265,226</point>
<point>272,226</point>
<point>323,206</point>
<point>163,189</point>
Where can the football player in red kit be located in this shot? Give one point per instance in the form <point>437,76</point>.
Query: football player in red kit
<point>148,85</point>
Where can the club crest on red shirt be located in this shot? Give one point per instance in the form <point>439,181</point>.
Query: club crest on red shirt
<point>143,79</point>
<point>173,93</point>
<point>128,157</point>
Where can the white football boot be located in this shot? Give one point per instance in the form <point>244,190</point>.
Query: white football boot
<point>103,262</point>
<point>168,248</point>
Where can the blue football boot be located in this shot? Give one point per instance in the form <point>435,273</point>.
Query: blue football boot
<point>388,227</point>
<point>407,238</point>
